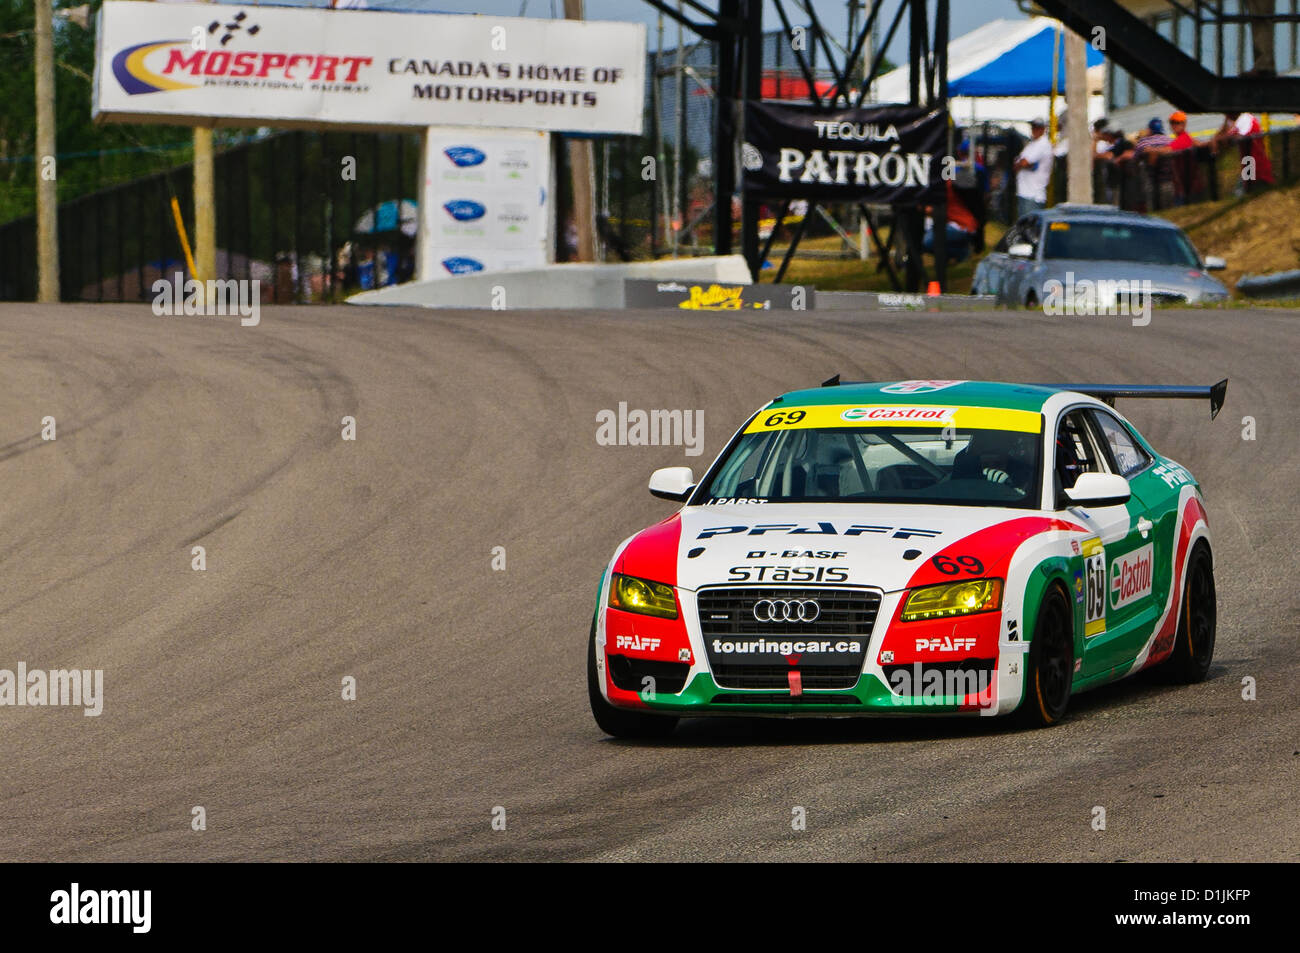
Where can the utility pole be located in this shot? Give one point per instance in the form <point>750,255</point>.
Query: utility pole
<point>47,193</point>
<point>205,206</point>
<point>675,220</point>
<point>582,168</point>
<point>1079,159</point>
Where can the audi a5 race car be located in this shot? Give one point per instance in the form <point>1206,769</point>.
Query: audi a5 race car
<point>916,547</point>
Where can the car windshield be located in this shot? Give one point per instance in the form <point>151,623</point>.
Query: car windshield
<point>899,464</point>
<point>1139,244</point>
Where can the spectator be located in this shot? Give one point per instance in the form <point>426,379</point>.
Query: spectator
<point>1103,172</point>
<point>1062,147</point>
<point>972,189</point>
<point>1101,140</point>
<point>1159,187</point>
<point>1244,129</point>
<point>1153,141</point>
<point>1181,173</point>
<point>971,172</point>
<point>962,226</point>
<point>1033,170</point>
<point>1121,147</point>
<point>366,270</point>
<point>1117,157</point>
<point>1178,126</point>
<point>1112,146</point>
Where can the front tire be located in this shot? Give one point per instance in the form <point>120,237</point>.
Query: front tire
<point>619,722</point>
<point>1197,622</point>
<point>1049,674</point>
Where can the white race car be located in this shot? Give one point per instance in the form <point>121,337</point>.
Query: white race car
<point>952,547</point>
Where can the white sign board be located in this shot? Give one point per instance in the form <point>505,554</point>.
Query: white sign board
<point>201,64</point>
<point>484,201</point>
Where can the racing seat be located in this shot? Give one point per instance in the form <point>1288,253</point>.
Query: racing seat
<point>826,470</point>
<point>1068,464</point>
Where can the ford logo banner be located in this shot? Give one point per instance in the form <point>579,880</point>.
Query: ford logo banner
<point>464,210</point>
<point>462,266</point>
<point>464,156</point>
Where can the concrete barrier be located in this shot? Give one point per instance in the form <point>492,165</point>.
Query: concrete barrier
<point>1278,285</point>
<point>555,286</point>
<point>901,301</point>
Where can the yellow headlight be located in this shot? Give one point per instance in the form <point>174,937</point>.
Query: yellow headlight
<point>953,598</point>
<point>640,595</point>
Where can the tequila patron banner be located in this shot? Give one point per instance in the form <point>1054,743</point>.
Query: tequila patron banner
<point>882,154</point>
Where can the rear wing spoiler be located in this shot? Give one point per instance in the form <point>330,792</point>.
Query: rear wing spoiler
<point>1109,392</point>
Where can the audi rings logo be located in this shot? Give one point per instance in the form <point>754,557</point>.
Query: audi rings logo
<point>787,610</point>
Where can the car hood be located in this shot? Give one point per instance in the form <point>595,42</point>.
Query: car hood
<point>1175,278</point>
<point>878,545</point>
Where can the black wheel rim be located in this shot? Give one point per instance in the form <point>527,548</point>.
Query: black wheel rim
<point>1054,662</point>
<point>1200,610</point>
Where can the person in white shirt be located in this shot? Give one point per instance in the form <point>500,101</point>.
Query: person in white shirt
<point>1101,136</point>
<point>1033,170</point>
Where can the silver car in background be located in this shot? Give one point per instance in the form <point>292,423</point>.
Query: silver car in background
<point>1096,243</point>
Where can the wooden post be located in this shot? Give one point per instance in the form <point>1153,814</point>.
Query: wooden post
<point>47,195</point>
<point>582,167</point>
<point>205,206</point>
<point>1078,132</point>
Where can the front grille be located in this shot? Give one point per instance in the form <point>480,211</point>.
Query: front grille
<point>845,616</point>
<point>773,676</point>
<point>729,612</point>
<point>629,674</point>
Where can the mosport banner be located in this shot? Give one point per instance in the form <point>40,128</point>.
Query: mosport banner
<point>198,63</point>
<point>881,155</point>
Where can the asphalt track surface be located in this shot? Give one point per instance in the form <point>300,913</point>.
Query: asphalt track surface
<point>373,558</point>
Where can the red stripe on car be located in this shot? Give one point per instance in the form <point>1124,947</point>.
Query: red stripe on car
<point>990,549</point>
<point>1163,646</point>
<point>652,554</point>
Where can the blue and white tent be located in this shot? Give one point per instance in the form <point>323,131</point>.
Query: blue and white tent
<point>1002,72</point>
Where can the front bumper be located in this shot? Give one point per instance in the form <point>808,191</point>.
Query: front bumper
<point>703,697</point>
<point>952,667</point>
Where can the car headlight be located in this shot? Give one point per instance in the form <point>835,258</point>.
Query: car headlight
<point>953,598</point>
<point>641,595</point>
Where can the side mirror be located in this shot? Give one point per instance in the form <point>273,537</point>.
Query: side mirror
<point>672,483</point>
<point>1099,489</point>
<point>1214,263</point>
<point>1021,250</point>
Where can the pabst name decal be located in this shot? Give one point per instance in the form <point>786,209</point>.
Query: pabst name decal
<point>1130,577</point>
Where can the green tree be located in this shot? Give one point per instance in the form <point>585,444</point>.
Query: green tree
<point>91,155</point>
